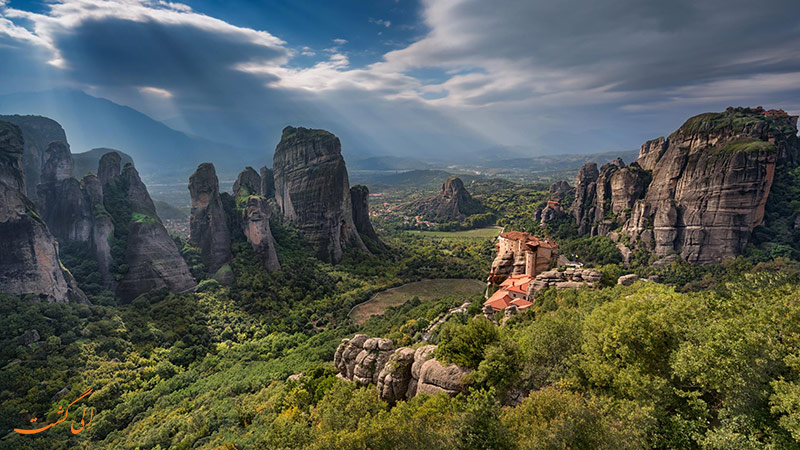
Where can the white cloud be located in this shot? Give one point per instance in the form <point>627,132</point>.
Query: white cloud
<point>67,15</point>
<point>155,91</point>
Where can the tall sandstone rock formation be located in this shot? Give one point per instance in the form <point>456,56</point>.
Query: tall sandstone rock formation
<point>603,198</point>
<point>359,197</point>
<point>452,203</point>
<point>208,224</point>
<point>313,192</point>
<point>254,214</point>
<point>29,263</point>
<point>698,193</point>
<point>38,132</point>
<point>113,207</point>
<point>151,256</point>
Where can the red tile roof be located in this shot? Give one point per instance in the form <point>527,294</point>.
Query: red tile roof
<point>499,301</point>
<point>521,303</point>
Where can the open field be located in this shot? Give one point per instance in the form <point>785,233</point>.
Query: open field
<point>425,290</point>
<point>478,233</point>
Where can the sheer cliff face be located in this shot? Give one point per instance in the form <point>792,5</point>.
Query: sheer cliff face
<point>255,225</point>
<point>253,213</point>
<point>61,200</point>
<point>359,196</point>
<point>38,133</point>
<point>151,255</point>
<point>313,192</point>
<point>711,180</point>
<point>603,198</point>
<point>29,261</point>
<point>95,210</point>
<point>707,184</point>
<point>207,222</point>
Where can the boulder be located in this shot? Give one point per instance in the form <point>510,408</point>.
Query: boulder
<point>627,280</point>
<point>395,376</point>
<point>421,355</point>
<point>371,359</point>
<point>435,378</point>
<point>345,357</point>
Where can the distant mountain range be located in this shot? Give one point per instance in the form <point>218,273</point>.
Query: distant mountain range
<point>159,150</point>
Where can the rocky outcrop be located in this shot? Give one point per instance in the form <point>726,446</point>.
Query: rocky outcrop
<point>435,378</point>
<point>627,280</point>
<point>359,196</point>
<point>255,224</point>
<point>109,167</point>
<point>267,183</point>
<point>571,278</point>
<point>421,356</point>
<point>710,183</point>
<point>698,193</point>
<point>558,190</point>
<point>399,374</point>
<point>38,132</point>
<point>247,183</point>
<point>452,203</point>
<point>395,376</point>
<point>88,162</point>
<point>29,263</point>
<point>604,197</point>
<point>11,149</point>
<point>153,262</point>
<point>208,224</point>
<point>583,207</point>
<point>313,192</point>
<point>63,204</point>
<point>151,256</point>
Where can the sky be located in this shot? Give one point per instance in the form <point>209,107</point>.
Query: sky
<point>431,78</point>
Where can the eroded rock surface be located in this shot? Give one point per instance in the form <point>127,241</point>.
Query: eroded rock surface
<point>571,278</point>
<point>247,183</point>
<point>29,262</point>
<point>399,373</point>
<point>359,196</point>
<point>452,203</point>
<point>710,183</point>
<point>699,192</point>
<point>313,192</point>
<point>208,223</point>
<point>38,132</point>
<point>256,229</point>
